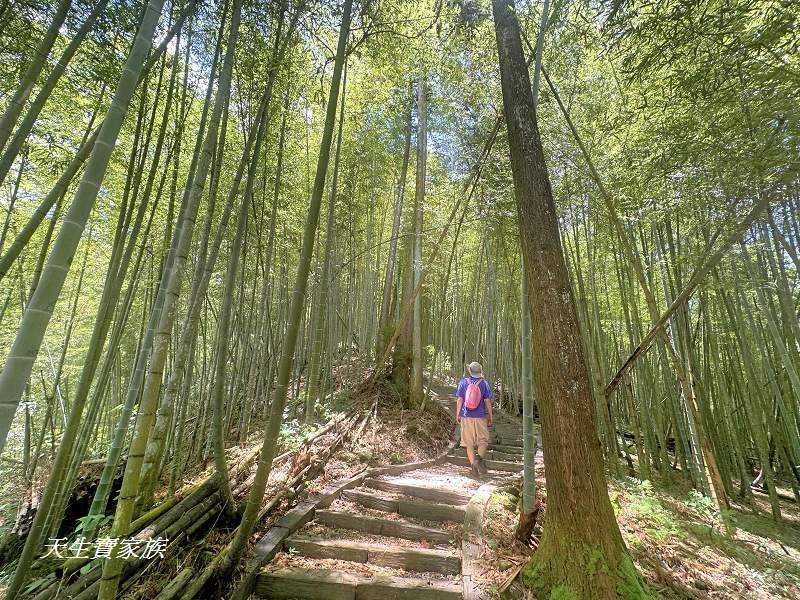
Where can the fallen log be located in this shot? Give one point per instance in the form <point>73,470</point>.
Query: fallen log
<point>185,525</point>
<point>173,590</point>
<point>781,494</point>
<point>252,568</point>
<point>194,520</point>
<point>168,516</point>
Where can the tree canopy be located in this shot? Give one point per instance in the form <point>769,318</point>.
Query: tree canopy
<point>210,210</point>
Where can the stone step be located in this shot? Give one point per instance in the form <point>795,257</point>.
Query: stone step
<point>384,527</point>
<point>291,584</point>
<point>409,559</point>
<point>492,465</point>
<point>417,509</point>
<point>440,495</point>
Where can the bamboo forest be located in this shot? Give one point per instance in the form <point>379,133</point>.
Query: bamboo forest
<point>399,299</point>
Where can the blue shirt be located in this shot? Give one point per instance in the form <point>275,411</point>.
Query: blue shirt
<point>486,392</point>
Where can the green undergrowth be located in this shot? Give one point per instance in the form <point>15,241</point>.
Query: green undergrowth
<point>678,545</point>
<point>643,503</point>
<point>503,498</point>
<point>672,527</point>
<point>294,433</point>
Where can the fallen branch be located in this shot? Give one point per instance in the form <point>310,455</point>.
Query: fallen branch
<point>708,263</point>
<point>510,579</point>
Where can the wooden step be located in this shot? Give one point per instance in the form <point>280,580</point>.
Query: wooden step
<point>384,527</point>
<point>324,584</point>
<point>492,465</point>
<point>417,509</point>
<point>506,428</point>
<point>492,454</point>
<point>431,511</point>
<point>505,440</point>
<point>508,449</point>
<point>408,559</point>
<point>370,500</point>
<point>425,493</point>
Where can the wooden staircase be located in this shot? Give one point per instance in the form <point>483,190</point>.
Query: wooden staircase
<point>396,537</point>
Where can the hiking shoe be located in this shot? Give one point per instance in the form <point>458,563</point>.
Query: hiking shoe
<point>482,468</point>
<point>476,470</point>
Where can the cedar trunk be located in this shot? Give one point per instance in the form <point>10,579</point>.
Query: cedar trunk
<point>582,554</point>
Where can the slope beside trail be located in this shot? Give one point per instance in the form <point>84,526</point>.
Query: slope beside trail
<point>399,535</point>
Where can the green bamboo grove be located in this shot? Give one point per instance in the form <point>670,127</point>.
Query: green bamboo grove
<point>210,211</point>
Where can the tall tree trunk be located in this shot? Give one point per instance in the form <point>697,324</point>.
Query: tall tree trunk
<point>418,359</point>
<point>402,357</point>
<point>581,553</point>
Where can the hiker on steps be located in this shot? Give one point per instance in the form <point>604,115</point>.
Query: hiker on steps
<point>474,413</point>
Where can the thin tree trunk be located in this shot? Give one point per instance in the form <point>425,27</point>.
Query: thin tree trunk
<point>26,125</point>
<point>85,150</point>
<point>203,272</point>
<point>32,72</point>
<point>713,474</point>
<point>19,363</point>
<point>12,201</point>
<point>112,568</point>
<point>37,315</point>
<point>321,315</point>
<point>418,361</point>
<point>223,327</point>
<point>231,553</point>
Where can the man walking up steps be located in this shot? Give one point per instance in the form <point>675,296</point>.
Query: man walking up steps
<point>474,413</point>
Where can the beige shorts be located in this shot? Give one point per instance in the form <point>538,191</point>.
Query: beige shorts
<point>474,432</point>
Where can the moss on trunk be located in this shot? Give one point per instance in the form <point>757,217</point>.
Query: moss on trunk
<point>401,376</point>
<point>570,569</point>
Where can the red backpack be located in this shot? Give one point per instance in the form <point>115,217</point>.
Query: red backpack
<point>473,395</point>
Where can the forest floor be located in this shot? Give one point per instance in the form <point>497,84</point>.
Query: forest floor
<point>677,544</point>
<point>670,531</point>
